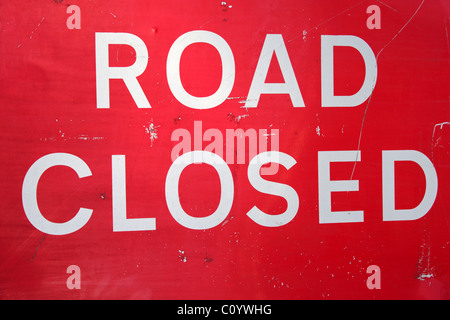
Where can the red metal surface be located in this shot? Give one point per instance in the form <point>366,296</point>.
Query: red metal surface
<point>49,105</point>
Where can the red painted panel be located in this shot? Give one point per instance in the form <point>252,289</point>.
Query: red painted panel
<point>197,240</point>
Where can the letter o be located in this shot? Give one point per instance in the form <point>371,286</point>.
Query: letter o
<point>173,69</point>
<point>226,187</point>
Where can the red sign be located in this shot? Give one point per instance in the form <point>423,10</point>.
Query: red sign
<point>225,150</point>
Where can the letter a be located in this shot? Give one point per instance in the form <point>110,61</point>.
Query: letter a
<point>74,281</point>
<point>374,21</point>
<point>274,43</point>
<point>74,21</point>
<point>374,281</point>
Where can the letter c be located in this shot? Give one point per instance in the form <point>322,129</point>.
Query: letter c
<point>29,193</point>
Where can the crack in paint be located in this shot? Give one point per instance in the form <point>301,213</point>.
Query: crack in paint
<point>374,82</point>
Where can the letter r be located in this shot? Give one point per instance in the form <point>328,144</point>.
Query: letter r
<point>128,74</point>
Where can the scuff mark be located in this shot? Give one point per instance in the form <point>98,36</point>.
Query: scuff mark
<point>181,256</point>
<point>225,6</point>
<point>267,135</point>
<point>434,143</point>
<point>318,126</point>
<point>234,98</point>
<point>244,102</point>
<point>425,276</point>
<point>318,131</point>
<point>177,119</point>
<point>304,35</point>
<point>424,268</point>
<point>63,137</point>
<point>446,35</point>
<point>237,119</point>
<point>277,282</point>
<point>208,259</point>
<point>247,100</point>
<point>61,2</point>
<point>374,82</point>
<point>37,248</point>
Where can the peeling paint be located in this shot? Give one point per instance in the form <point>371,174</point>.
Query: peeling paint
<point>425,270</point>
<point>181,256</point>
<point>236,119</point>
<point>152,130</point>
<point>435,141</point>
<point>318,131</point>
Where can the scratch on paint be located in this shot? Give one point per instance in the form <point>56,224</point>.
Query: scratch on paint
<point>373,84</point>
<point>226,221</point>
<point>117,53</point>
<point>234,98</point>
<point>384,4</point>
<point>446,35</point>
<point>35,251</point>
<point>305,32</point>
<point>204,24</point>
<point>236,119</point>
<point>32,32</point>
<point>424,268</point>
<point>404,26</point>
<point>63,137</point>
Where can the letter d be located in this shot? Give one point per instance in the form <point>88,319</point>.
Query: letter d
<point>329,99</point>
<point>389,211</point>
